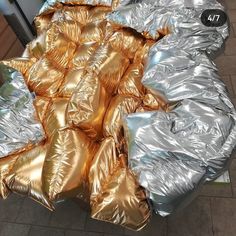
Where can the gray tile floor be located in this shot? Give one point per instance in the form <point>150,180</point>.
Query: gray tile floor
<point>212,213</point>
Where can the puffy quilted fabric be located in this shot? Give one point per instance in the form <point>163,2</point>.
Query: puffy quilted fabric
<point>86,75</point>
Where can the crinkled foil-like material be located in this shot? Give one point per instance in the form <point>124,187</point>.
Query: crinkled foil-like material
<point>90,68</point>
<point>67,163</point>
<point>6,164</point>
<point>88,105</point>
<point>25,177</point>
<point>116,197</point>
<point>192,143</point>
<point>19,127</point>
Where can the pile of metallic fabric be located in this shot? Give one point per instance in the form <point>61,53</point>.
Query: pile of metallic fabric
<point>119,104</point>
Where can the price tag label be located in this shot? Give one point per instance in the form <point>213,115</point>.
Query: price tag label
<point>213,18</point>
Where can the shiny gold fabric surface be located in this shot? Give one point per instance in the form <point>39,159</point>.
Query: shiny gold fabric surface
<point>115,194</point>
<point>98,13</point>
<point>44,78</point>
<point>79,14</point>
<point>55,39</point>
<point>61,57</point>
<point>109,65</point>
<point>88,105</point>
<point>56,116</point>
<point>25,176</point>
<point>67,163</point>
<point>86,76</point>
<point>82,54</point>
<point>119,107</point>
<point>6,164</point>
<point>71,80</point>
<point>142,53</point>
<point>41,104</point>
<point>127,42</point>
<point>93,32</point>
<point>131,82</point>
<point>70,28</point>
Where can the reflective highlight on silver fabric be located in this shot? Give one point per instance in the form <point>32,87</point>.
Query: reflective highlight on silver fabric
<point>18,124</point>
<point>174,153</point>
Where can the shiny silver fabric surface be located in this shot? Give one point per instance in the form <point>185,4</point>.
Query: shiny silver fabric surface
<point>18,124</point>
<point>181,17</point>
<point>174,153</point>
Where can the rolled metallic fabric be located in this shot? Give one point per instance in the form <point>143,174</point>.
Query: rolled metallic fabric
<point>19,126</point>
<point>71,80</point>
<point>25,177</point>
<point>119,108</point>
<point>44,78</point>
<point>109,65</point>
<point>55,117</point>
<point>67,163</point>
<point>83,53</point>
<point>6,164</point>
<point>127,41</point>
<point>87,106</point>
<point>130,83</point>
<point>115,195</point>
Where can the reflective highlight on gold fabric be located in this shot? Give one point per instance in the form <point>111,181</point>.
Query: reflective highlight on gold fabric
<point>71,80</point>
<point>115,195</point>
<point>67,163</point>
<point>142,53</point>
<point>82,54</point>
<point>56,116</point>
<point>109,65</point>
<point>54,38</point>
<point>41,105</point>
<point>119,107</point>
<point>25,176</point>
<point>62,56</point>
<point>93,32</point>
<point>98,13</point>
<point>79,14</point>
<point>71,29</point>
<point>88,105</point>
<point>44,78</point>
<point>127,41</point>
<point>6,165</point>
<point>131,82</point>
